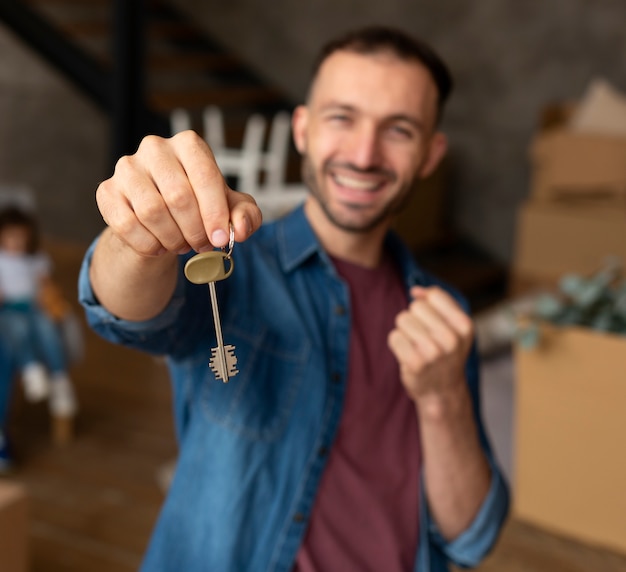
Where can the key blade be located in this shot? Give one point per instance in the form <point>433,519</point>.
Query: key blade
<point>223,361</point>
<point>220,371</point>
<point>231,361</point>
<point>230,366</point>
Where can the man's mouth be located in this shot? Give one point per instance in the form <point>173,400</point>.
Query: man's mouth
<point>358,187</point>
<point>356,183</point>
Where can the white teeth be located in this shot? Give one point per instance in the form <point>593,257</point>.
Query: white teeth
<point>360,184</point>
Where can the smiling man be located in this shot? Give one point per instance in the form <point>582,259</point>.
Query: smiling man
<point>366,135</point>
<point>351,437</point>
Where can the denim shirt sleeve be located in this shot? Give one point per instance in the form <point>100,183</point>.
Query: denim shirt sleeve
<point>156,335</point>
<point>474,543</point>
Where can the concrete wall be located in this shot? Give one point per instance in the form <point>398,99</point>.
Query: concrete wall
<point>509,58</point>
<point>52,141</point>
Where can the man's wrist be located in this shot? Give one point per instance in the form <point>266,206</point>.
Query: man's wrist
<point>443,405</point>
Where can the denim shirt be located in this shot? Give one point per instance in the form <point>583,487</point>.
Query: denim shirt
<point>252,451</point>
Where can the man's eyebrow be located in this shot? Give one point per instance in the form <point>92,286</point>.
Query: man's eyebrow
<point>415,122</point>
<point>334,105</point>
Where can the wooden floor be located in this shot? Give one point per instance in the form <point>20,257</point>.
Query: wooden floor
<point>95,500</point>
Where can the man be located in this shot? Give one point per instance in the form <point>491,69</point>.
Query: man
<point>351,437</point>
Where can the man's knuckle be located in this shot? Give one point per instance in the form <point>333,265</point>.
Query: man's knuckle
<point>466,326</point>
<point>187,137</point>
<point>148,247</point>
<point>123,223</point>
<point>198,239</point>
<point>124,165</point>
<point>149,210</point>
<point>179,197</point>
<point>150,143</point>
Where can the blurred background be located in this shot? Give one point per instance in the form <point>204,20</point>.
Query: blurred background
<point>534,188</point>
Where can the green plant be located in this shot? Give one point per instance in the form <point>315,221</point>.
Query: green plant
<point>597,301</point>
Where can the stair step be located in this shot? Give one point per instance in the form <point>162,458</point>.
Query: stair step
<point>69,2</point>
<point>102,27</point>
<point>90,3</point>
<point>191,62</point>
<point>177,63</point>
<point>85,28</point>
<point>226,96</point>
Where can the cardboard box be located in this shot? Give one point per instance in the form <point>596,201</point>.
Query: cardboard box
<point>569,165</point>
<point>572,165</point>
<point>570,461</point>
<point>553,240</point>
<point>13,527</point>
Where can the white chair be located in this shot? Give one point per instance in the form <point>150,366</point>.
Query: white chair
<point>180,120</point>
<point>275,158</point>
<point>252,161</point>
<point>244,164</point>
<point>213,125</point>
<point>275,197</point>
<point>272,162</point>
<point>277,201</point>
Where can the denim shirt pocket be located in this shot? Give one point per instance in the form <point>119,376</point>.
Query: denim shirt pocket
<point>258,402</point>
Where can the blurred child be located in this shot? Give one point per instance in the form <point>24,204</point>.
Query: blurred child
<point>26,325</point>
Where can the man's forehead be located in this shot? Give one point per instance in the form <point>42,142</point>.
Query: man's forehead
<point>351,63</point>
<point>383,74</point>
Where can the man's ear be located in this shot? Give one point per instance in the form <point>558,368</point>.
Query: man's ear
<point>436,152</point>
<point>299,122</point>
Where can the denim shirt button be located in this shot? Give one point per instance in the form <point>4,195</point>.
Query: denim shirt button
<point>336,377</point>
<point>340,310</point>
<point>298,517</point>
<point>322,451</point>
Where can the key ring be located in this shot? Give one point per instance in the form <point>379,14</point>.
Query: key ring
<point>231,242</point>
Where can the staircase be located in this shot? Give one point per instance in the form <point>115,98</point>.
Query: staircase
<point>139,83</point>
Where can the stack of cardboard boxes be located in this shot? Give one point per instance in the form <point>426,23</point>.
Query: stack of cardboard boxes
<point>570,396</point>
<point>576,213</point>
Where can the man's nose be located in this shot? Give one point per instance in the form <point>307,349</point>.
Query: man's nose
<point>364,147</point>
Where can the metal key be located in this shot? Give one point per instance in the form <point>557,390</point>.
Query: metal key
<point>208,267</point>
<point>223,361</point>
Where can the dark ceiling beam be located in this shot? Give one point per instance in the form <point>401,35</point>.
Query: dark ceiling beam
<point>130,121</point>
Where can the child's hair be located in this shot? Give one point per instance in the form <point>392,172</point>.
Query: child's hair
<point>14,216</point>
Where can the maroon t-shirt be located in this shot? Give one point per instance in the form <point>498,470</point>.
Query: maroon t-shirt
<point>365,515</point>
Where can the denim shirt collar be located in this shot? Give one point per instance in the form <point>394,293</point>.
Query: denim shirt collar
<point>297,242</point>
<point>404,258</point>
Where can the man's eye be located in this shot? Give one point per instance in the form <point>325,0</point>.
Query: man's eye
<point>339,118</point>
<point>399,131</point>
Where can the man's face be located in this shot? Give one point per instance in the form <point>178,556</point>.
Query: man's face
<point>366,135</point>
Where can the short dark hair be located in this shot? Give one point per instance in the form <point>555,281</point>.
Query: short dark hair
<point>376,39</point>
<point>14,216</point>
